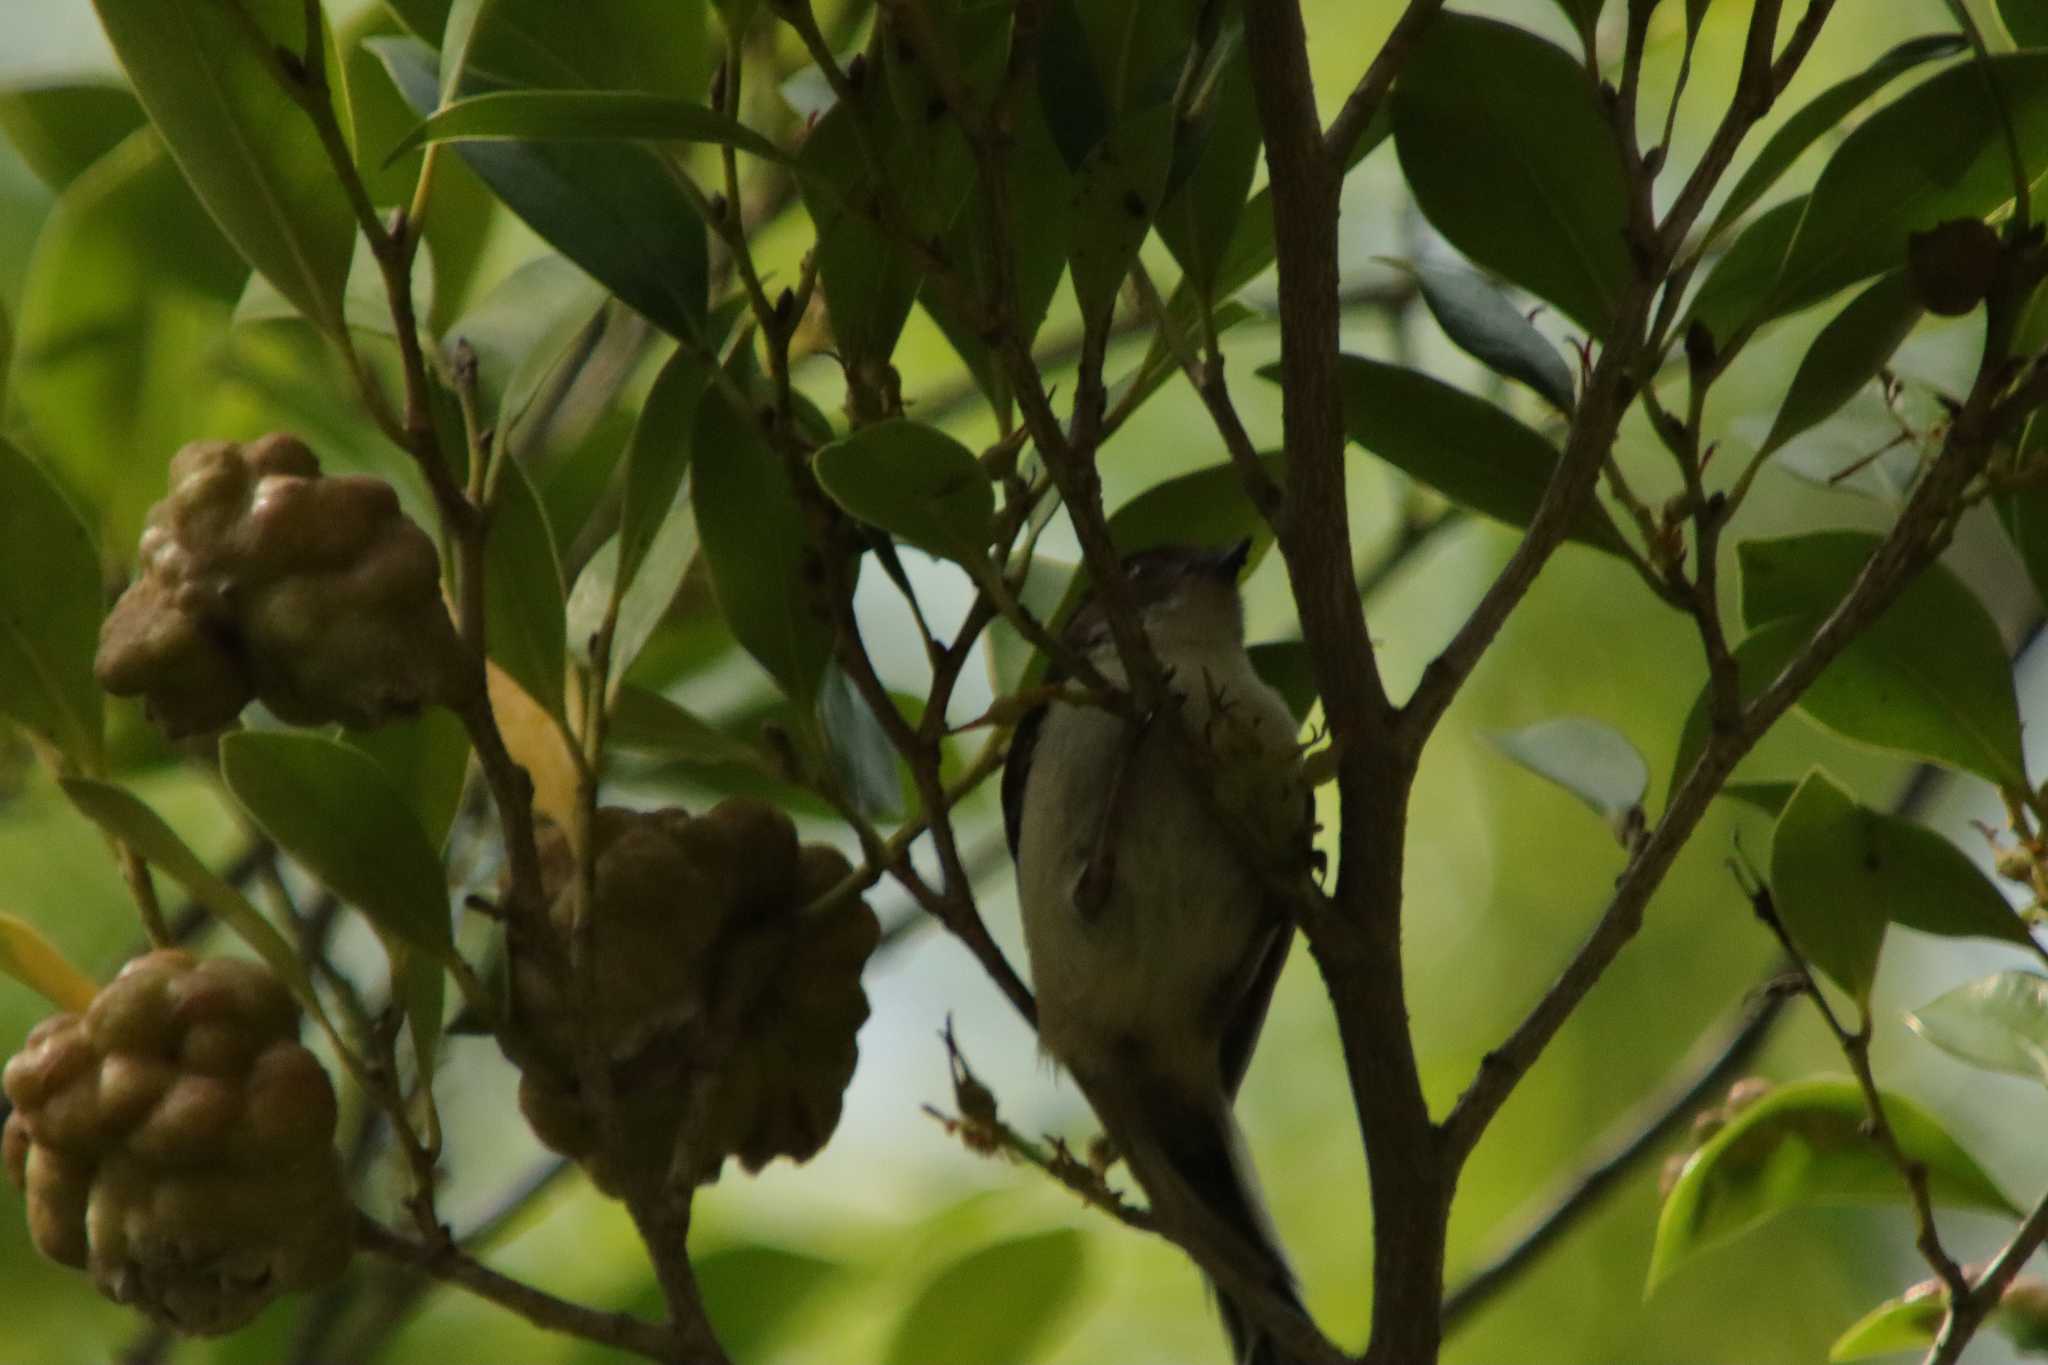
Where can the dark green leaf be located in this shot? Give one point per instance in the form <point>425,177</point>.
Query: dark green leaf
<point>645,600</point>
<point>752,1292</point>
<point>1510,157</point>
<point>1071,93</point>
<point>1999,1023</point>
<point>2024,514</point>
<point>1592,761</point>
<point>523,606</point>
<point>1912,1321</point>
<point>1930,677</point>
<point>338,814</point>
<point>659,455</point>
<point>49,611</point>
<point>1808,1143</point>
<point>617,210</point>
<point>1821,889</point>
<point>1285,667</point>
<point>854,743</point>
<point>121,314</point>
<point>251,154</point>
<point>2026,21</point>
<point>1822,113</point>
<point>1466,449</point>
<point>1201,215</point>
<point>1117,192</point>
<point>654,45</point>
<point>522,330</point>
<point>916,482</point>
<point>583,116</point>
<point>647,722</point>
<point>124,817</point>
<point>1481,322</point>
<point>61,128</point>
<point>1205,507</point>
<point>1935,153</point>
<point>1768,797</point>
<point>1734,293</point>
<point>1005,1301</point>
<point>1846,355</point>
<point>427,758</point>
<point>755,542</point>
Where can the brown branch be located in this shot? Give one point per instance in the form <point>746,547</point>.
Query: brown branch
<point>1718,1056</point>
<point>451,1265</point>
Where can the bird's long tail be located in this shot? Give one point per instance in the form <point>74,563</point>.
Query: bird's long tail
<point>1187,1153</point>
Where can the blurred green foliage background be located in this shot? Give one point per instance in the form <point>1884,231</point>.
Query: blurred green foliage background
<point>897,1244</point>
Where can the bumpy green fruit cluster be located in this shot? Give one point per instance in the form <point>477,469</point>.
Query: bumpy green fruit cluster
<point>260,578</point>
<point>176,1141</point>
<point>726,1013</point>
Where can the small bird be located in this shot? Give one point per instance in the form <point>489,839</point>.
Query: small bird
<point>1154,945</point>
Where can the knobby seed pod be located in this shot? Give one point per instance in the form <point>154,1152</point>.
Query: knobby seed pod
<point>257,577</point>
<point>727,1015</point>
<point>177,1142</point>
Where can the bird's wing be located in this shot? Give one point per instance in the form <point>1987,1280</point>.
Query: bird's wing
<point>1017,772</point>
<point>1241,1033</point>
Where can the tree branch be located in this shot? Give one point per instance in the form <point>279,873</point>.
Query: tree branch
<point>1371,91</point>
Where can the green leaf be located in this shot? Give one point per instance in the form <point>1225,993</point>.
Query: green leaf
<point>341,817</point>
<point>755,542</point>
<point>583,116</point>
<point>1006,1301</point>
<point>49,611</point>
<point>1117,192</point>
<point>617,210</point>
<point>1999,1023</point>
<point>1481,322</point>
<point>1510,157</point>
<point>659,455</point>
<point>753,1292</point>
<point>1846,355</point>
<point>458,38</point>
<point>1465,448</point>
<point>1912,1321</point>
<point>41,966</point>
<point>2024,514</point>
<point>1735,290</point>
<point>654,45</point>
<point>645,600</point>
<point>1819,115</point>
<point>1804,1143</point>
<point>1206,506</point>
<point>524,627</point>
<point>1930,677</point>
<point>1768,797</point>
<point>1592,761</point>
<point>916,482</point>
<point>1935,153</point>
<point>365,306</point>
<point>857,747</point>
<point>124,817</point>
<point>121,315</point>
<point>648,722</point>
<point>1284,666</point>
<point>426,757</point>
<point>250,153</point>
<point>1823,895</point>
<point>60,128</point>
<point>2026,21</point>
<point>522,330</point>
<point>1202,213</point>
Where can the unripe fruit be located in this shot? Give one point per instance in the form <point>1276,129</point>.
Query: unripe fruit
<point>727,1015</point>
<point>177,1141</point>
<point>258,577</point>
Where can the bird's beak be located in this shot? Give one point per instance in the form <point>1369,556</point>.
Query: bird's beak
<point>1228,564</point>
